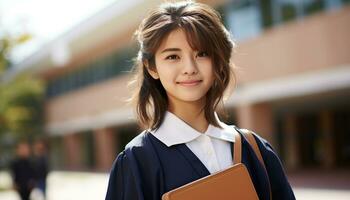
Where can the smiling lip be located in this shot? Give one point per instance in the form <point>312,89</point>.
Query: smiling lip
<point>189,83</point>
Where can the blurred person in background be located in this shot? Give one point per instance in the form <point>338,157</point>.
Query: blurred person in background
<point>23,171</point>
<point>40,163</point>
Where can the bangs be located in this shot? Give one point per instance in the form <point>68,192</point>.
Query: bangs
<point>198,36</point>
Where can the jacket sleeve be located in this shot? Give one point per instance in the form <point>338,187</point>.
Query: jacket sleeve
<point>280,186</point>
<point>122,183</point>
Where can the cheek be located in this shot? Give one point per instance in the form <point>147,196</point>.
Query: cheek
<point>166,71</point>
<point>210,77</point>
<point>166,75</point>
<point>208,70</point>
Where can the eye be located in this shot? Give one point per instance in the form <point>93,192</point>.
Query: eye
<point>202,54</point>
<point>172,57</point>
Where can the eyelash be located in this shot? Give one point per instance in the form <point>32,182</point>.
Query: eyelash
<point>173,57</point>
<point>203,52</point>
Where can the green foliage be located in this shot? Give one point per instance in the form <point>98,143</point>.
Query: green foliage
<point>21,99</point>
<point>6,44</point>
<point>21,109</point>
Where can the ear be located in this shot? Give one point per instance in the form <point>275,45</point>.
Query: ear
<point>152,72</point>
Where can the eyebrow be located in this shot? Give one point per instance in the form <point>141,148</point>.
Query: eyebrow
<point>170,49</point>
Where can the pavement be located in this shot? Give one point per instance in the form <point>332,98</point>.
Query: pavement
<point>62,185</point>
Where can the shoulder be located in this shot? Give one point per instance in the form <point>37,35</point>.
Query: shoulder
<point>140,149</point>
<point>134,171</point>
<point>136,153</point>
<point>280,186</point>
<point>142,142</point>
<point>261,142</point>
<point>138,141</point>
<point>264,145</point>
<point>266,150</point>
<point>138,157</point>
<point>128,153</point>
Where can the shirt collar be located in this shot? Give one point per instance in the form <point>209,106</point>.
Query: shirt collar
<point>175,131</point>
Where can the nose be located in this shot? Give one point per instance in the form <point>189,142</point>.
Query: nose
<point>190,66</point>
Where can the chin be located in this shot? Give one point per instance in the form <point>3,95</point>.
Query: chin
<point>191,98</point>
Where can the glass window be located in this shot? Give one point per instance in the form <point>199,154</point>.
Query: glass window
<point>244,19</point>
<point>332,4</point>
<point>96,71</point>
<point>314,6</point>
<point>288,12</point>
<point>266,13</point>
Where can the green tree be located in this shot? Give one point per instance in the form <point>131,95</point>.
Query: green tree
<point>6,45</point>
<point>21,98</point>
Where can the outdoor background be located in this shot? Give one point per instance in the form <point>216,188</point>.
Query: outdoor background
<point>65,66</point>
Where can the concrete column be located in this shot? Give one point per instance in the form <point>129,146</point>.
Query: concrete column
<point>290,141</point>
<point>328,142</point>
<point>258,118</point>
<point>72,147</point>
<point>105,148</point>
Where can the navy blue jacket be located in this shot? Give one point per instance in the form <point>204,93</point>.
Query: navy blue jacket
<point>147,168</point>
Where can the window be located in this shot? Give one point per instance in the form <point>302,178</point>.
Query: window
<point>244,19</point>
<point>96,71</point>
<point>286,10</point>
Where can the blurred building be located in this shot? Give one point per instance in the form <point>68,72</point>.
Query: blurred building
<point>292,67</point>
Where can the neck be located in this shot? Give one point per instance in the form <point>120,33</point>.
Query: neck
<point>192,113</point>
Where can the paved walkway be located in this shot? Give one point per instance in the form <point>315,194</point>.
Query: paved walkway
<point>92,186</point>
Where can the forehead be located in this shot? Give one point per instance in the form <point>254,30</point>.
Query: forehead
<point>175,39</point>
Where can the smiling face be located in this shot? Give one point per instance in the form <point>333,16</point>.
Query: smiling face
<point>181,73</point>
<point>186,74</point>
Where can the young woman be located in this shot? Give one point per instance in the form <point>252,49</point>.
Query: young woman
<point>183,70</point>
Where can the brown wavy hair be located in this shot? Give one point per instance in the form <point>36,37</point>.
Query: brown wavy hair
<point>204,31</point>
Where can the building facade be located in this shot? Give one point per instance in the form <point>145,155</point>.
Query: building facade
<point>292,66</point>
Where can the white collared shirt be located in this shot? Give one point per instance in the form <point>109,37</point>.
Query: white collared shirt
<point>211,147</point>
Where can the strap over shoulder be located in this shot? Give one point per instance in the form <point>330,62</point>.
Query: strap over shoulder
<point>251,140</point>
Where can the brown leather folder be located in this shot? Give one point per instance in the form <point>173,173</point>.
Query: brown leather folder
<point>229,184</point>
